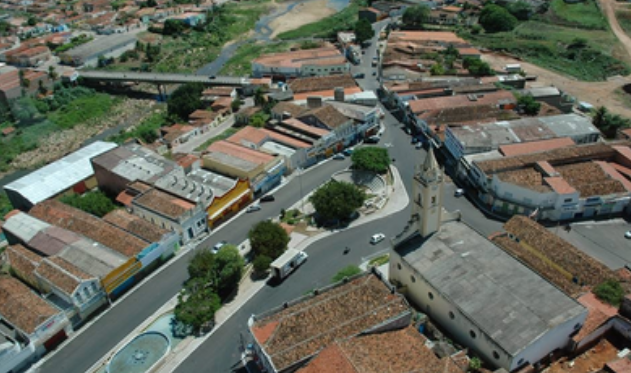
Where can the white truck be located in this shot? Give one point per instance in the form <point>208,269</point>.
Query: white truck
<point>286,263</point>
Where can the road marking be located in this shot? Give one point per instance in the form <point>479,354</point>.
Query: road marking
<point>388,145</point>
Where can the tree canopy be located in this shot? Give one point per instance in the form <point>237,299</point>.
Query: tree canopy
<point>269,239</point>
<point>363,30</point>
<point>95,203</point>
<point>202,264</point>
<point>337,200</point>
<point>477,67</point>
<point>610,291</point>
<point>520,9</point>
<point>528,104</point>
<point>185,100</point>
<point>228,269</point>
<point>609,123</point>
<point>415,16</point>
<point>371,159</point>
<point>494,18</point>
<point>197,304</point>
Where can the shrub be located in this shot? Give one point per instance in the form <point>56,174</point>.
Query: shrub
<point>347,271</point>
<point>610,292</point>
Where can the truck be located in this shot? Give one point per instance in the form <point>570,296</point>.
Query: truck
<point>287,263</point>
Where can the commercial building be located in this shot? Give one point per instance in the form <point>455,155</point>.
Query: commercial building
<point>560,184</point>
<point>311,62</point>
<point>483,297</point>
<point>358,325</point>
<point>88,54</point>
<point>262,170</point>
<point>68,175</point>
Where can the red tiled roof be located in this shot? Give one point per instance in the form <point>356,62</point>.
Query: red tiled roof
<point>124,198</point>
<point>330,360</point>
<point>164,203</point>
<point>248,133</point>
<point>535,146</point>
<point>23,261</point>
<point>598,314</point>
<point>296,123</point>
<point>22,307</point>
<point>622,365</point>
<point>438,103</point>
<point>136,225</point>
<point>241,152</point>
<point>559,185</point>
<point>427,36</point>
<point>286,139</point>
<point>611,171</point>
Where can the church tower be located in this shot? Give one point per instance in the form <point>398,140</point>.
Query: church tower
<point>428,195</point>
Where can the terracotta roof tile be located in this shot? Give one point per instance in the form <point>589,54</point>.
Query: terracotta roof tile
<point>250,134</point>
<point>330,360</point>
<point>64,216</point>
<point>322,83</point>
<point>59,276</point>
<point>535,146</point>
<point>22,307</point>
<point>164,203</point>
<point>23,261</point>
<point>327,115</point>
<point>293,109</point>
<point>286,139</point>
<point>325,93</point>
<point>559,185</point>
<point>135,225</point>
<point>439,103</point>
<point>241,152</point>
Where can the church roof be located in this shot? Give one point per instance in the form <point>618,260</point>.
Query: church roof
<point>429,170</point>
<point>506,300</point>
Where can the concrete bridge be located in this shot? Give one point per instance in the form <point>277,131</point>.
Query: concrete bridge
<point>162,78</point>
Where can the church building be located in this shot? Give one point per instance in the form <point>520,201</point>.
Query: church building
<point>486,299</point>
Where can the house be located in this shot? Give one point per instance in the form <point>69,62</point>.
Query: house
<point>178,134</point>
<point>29,56</point>
<point>358,325</point>
<point>312,62</point>
<point>365,119</point>
<point>559,184</point>
<point>191,19</point>
<point>12,86</point>
<point>262,170</point>
<point>204,119</point>
<point>38,321</point>
<point>324,143</point>
<point>284,110</point>
<point>18,350</point>
<point>242,117</point>
<point>551,96</point>
<point>328,118</point>
<point>72,174</point>
<point>215,93</point>
<point>472,288</point>
<point>89,53</point>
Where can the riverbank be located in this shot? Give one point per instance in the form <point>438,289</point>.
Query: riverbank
<point>300,15</point>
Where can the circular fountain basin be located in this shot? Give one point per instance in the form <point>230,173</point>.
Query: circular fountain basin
<point>140,354</point>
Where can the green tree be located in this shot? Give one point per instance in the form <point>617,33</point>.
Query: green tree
<point>173,27</point>
<point>52,73</point>
<point>599,117</point>
<point>475,364</point>
<point>371,159</point>
<point>610,292</point>
<point>235,105</point>
<point>337,200</point>
<point>95,203</point>
<point>494,18</point>
<point>197,304</point>
<point>25,111</point>
<point>477,67</point>
<point>258,120</point>
<point>202,264</point>
<point>528,104</point>
<point>32,21</point>
<point>228,269</point>
<point>259,97</point>
<point>347,271</point>
<point>363,30</point>
<point>415,16</point>
<point>185,100</point>
<point>437,69</point>
<point>5,205</point>
<point>261,263</point>
<point>269,239</point>
<point>520,9</point>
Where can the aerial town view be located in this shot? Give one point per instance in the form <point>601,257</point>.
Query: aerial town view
<point>315,186</point>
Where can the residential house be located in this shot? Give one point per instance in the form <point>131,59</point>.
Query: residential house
<point>329,118</point>
<point>365,119</point>
<point>473,289</point>
<point>72,174</point>
<point>264,171</point>
<point>284,110</point>
<point>178,134</point>
<point>18,350</point>
<point>551,96</point>
<point>204,120</point>
<point>191,19</point>
<point>242,117</point>
<point>38,321</point>
<point>311,62</point>
<point>324,143</point>
<point>12,86</point>
<point>29,56</point>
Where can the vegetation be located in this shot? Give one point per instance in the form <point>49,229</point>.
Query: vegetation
<point>147,130</point>
<point>337,200</point>
<point>347,271</point>
<point>268,239</point>
<point>477,67</point>
<point>371,159</point>
<point>185,100</point>
<point>520,10</point>
<point>585,14</point>
<point>261,263</point>
<point>624,19</point>
<point>228,269</point>
<point>5,204</point>
<point>528,104</point>
<point>609,123</point>
<point>475,364</point>
<point>610,292</point>
<point>95,203</point>
<point>380,260</point>
<point>74,42</point>
<point>240,64</point>
<point>224,135</point>
<point>259,119</point>
<point>363,30</point>
<point>495,18</point>
<point>82,109</point>
<point>327,27</point>
<point>415,16</point>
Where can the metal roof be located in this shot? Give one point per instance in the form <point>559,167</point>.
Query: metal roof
<point>509,302</point>
<point>24,226</point>
<point>60,175</point>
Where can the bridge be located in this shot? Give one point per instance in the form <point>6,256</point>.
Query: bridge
<point>162,78</point>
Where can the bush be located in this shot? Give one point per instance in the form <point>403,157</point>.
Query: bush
<point>371,159</point>
<point>347,271</point>
<point>261,263</point>
<point>337,200</point>
<point>95,203</point>
<point>185,100</point>
<point>494,18</point>
<point>269,239</point>
<point>610,292</point>
<point>529,105</point>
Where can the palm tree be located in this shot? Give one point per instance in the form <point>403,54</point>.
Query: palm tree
<point>599,117</point>
<point>259,97</point>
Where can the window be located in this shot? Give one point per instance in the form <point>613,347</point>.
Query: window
<point>520,362</point>
<point>433,200</point>
<point>78,298</point>
<point>94,288</point>
<point>430,295</point>
<point>472,334</point>
<point>413,278</point>
<point>86,292</point>
<point>496,355</point>
<point>451,315</point>
<point>567,200</point>
<point>399,266</point>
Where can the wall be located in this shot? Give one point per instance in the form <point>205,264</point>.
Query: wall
<point>232,201</point>
<point>119,275</point>
<point>18,358</point>
<point>319,70</point>
<point>108,181</point>
<point>157,250</point>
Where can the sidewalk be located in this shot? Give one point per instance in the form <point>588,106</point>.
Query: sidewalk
<point>397,201</point>
<point>189,146</point>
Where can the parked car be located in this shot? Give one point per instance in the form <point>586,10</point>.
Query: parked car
<point>348,152</point>
<point>253,208</point>
<point>459,192</point>
<point>372,140</point>
<point>339,157</point>
<point>376,238</point>
<point>359,76</point>
<point>268,198</point>
<point>627,234</point>
<point>219,245</point>
<point>418,145</point>
<point>212,77</point>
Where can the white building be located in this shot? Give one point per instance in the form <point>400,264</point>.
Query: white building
<point>488,300</point>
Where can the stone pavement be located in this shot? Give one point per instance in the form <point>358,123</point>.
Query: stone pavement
<point>398,200</point>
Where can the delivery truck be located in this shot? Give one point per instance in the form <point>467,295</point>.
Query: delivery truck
<point>286,263</point>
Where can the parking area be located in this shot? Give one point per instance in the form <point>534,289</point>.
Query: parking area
<point>603,241</point>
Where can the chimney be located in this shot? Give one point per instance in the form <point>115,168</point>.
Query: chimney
<point>314,102</point>
<point>339,94</point>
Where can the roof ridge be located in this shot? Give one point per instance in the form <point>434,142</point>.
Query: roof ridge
<point>65,271</point>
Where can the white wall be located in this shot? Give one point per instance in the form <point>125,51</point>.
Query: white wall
<point>17,358</point>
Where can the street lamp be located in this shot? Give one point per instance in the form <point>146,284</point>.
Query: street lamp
<point>302,201</point>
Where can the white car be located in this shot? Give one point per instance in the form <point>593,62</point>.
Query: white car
<point>627,234</point>
<point>376,238</point>
<point>459,192</point>
<point>253,208</point>
<point>218,246</point>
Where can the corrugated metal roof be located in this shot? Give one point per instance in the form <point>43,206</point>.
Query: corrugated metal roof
<point>60,175</point>
<point>24,226</point>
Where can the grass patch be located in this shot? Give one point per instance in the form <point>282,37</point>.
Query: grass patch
<point>380,260</point>
<point>5,205</point>
<point>584,15</point>
<point>624,19</point>
<point>224,135</point>
<point>547,45</point>
<point>327,27</point>
<point>81,110</point>
<point>241,62</point>
<point>147,130</point>
<point>291,217</point>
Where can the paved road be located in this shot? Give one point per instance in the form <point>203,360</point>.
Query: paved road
<point>163,78</point>
<point>99,338</point>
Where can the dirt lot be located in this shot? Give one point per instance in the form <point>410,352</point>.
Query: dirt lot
<point>301,14</point>
<point>591,360</point>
